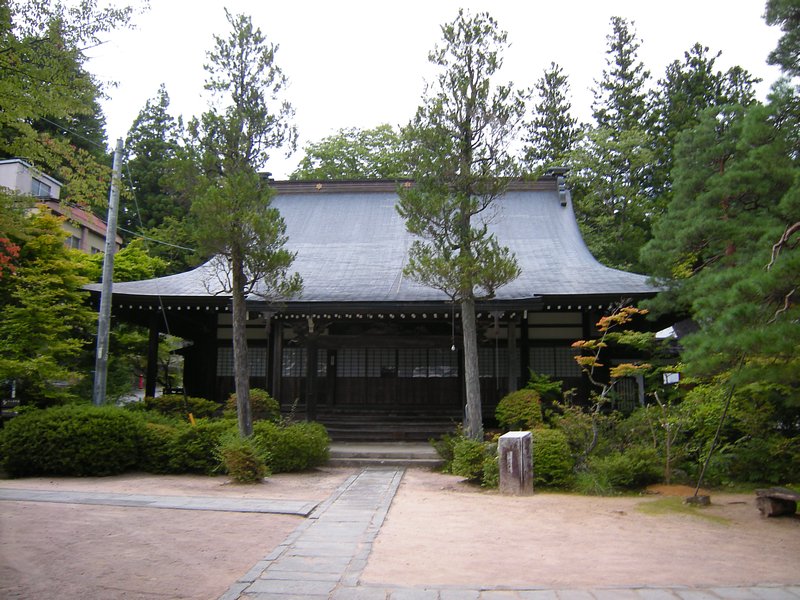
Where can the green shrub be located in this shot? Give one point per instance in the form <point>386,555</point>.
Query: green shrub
<point>468,458</point>
<point>294,447</point>
<point>490,477</point>
<point>242,458</point>
<point>772,459</point>
<point>552,461</point>
<point>262,406</point>
<point>592,483</point>
<point>633,468</point>
<point>445,446</point>
<point>157,447</point>
<point>194,446</point>
<point>176,405</point>
<point>520,410</point>
<point>77,440</point>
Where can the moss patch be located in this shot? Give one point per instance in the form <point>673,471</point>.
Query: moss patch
<point>673,505</point>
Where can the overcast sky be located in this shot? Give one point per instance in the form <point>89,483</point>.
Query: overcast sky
<point>360,63</point>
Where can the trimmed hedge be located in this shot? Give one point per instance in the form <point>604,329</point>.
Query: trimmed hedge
<point>242,458</point>
<point>176,405</point>
<point>77,440</point>
<point>85,440</point>
<point>520,410</point>
<point>194,448</point>
<point>262,406</point>
<point>552,461</point>
<point>295,447</point>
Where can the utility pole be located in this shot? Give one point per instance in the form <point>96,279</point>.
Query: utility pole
<point>104,317</point>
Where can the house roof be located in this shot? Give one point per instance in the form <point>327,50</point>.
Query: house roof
<point>352,245</point>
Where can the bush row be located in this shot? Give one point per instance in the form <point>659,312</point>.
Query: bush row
<point>86,440</point>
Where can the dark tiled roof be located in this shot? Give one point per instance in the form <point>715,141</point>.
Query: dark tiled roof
<point>352,245</point>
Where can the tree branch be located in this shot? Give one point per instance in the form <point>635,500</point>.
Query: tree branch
<point>782,242</point>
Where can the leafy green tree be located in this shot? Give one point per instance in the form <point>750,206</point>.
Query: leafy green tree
<point>725,249</point>
<point>45,322</point>
<point>460,141</point>
<point>128,342</point>
<point>553,132</point>
<point>620,98</point>
<point>610,162</point>
<point>153,148</point>
<point>687,88</point>
<point>45,90</point>
<point>233,219</point>
<point>612,209</point>
<point>786,14</point>
<point>353,153</point>
<point>131,263</point>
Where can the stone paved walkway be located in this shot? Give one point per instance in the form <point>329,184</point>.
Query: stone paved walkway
<point>324,558</point>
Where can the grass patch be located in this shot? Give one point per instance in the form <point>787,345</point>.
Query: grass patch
<point>674,505</point>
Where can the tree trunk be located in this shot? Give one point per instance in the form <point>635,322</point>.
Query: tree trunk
<point>473,417</point>
<point>241,368</point>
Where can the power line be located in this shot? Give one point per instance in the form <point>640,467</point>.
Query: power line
<point>157,241</point>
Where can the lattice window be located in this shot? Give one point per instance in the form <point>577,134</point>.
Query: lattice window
<point>554,361</point>
<point>257,357</point>
<point>381,362</point>
<point>442,363</point>
<point>322,363</point>
<point>412,362</point>
<point>224,362</point>
<point>293,362</point>
<point>351,362</point>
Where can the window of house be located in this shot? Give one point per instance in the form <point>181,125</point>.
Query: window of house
<point>558,361</point>
<point>39,189</point>
<point>256,357</point>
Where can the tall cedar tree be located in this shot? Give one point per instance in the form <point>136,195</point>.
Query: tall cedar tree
<point>612,203</point>
<point>688,88</point>
<point>353,153</point>
<point>153,146</point>
<point>232,214</point>
<point>460,140</point>
<point>552,132</point>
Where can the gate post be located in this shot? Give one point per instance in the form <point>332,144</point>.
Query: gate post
<point>515,450</point>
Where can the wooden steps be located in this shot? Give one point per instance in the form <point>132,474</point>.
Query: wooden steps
<point>385,427</point>
<point>390,455</point>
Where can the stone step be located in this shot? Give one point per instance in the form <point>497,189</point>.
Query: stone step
<point>402,454</point>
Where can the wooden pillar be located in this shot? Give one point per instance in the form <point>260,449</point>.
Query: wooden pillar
<point>151,374</point>
<point>311,372</point>
<point>513,380</point>
<point>524,352</point>
<point>275,373</point>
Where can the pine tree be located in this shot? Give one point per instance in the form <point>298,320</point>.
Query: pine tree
<point>612,201</point>
<point>688,88</point>
<point>233,219</point>
<point>153,148</point>
<point>553,132</point>
<point>620,96</point>
<point>715,249</point>
<point>460,140</point>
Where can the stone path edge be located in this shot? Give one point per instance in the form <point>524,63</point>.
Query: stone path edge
<point>209,503</point>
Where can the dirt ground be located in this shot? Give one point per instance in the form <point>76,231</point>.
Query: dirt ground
<point>443,531</point>
<point>439,531</point>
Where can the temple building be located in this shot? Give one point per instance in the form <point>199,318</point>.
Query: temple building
<point>363,339</point>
